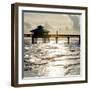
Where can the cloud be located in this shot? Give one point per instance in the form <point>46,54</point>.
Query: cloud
<point>51,21</point>
<point>76,21</point>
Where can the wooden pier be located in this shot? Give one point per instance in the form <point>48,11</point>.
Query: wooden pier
<point>57,36</point>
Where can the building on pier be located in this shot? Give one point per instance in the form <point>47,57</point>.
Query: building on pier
<point>39,32</point>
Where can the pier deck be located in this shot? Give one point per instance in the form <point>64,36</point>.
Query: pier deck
<point>59,36</point>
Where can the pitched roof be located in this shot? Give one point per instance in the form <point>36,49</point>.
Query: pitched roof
<point>39,29</point>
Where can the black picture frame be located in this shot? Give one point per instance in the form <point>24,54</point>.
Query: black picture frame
<point>15,42</point>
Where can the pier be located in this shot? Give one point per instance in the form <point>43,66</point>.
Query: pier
<point>59,36</point>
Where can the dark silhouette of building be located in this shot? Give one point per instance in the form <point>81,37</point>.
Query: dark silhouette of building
<point>39,32</point>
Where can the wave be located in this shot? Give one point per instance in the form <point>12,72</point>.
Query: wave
<point>48,59</point>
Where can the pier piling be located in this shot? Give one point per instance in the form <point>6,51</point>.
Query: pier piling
<point>68,41</point>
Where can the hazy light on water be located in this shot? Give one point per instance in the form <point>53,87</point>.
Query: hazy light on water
<point>52,59</point>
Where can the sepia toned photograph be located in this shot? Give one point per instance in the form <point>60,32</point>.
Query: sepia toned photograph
<point>49,44</point>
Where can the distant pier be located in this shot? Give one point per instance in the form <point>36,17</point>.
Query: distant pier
<point>57,36</point>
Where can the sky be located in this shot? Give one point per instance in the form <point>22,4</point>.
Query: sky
<point>63,23</point>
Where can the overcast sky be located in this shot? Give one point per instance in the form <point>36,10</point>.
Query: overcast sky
<point>51,21</point>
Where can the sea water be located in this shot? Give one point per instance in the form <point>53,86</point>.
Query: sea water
<point>51,59</point>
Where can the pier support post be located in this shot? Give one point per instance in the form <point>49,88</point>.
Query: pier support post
<point>56,39</point>
<point>79,39</point>
<point>48,39</point>
<point>32,40</point>
<point>56,36</point>
<point>35,40</point>
<point>44,40</point>
<point>68,40</point>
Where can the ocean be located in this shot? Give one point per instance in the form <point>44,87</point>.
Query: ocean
<point>51,59</point>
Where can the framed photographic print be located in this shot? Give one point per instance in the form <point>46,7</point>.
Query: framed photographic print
<point>48,44</point>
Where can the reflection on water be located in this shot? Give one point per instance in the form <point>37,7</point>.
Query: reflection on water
<point>51,59</point>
